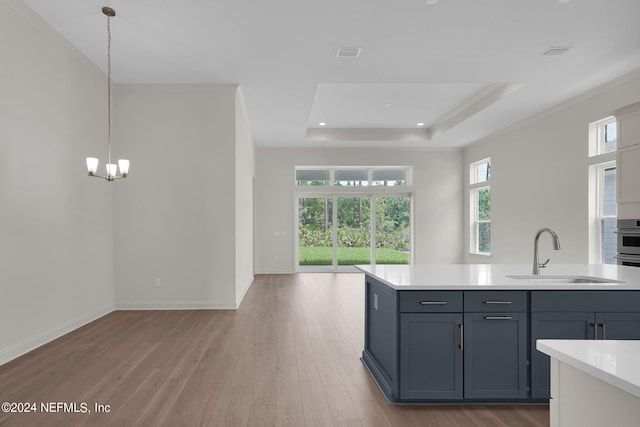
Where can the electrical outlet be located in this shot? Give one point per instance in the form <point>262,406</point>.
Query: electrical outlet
<point>158,283</point>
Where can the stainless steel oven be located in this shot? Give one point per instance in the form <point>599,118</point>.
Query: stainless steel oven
<point>628,242</point>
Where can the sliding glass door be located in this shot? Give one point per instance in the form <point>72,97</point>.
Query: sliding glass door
<point>393,230</point>
<point>362,229</point>
<point>315,231</point>
<point>354,230</point>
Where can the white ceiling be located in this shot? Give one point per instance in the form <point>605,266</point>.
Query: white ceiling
<point>465,68</point>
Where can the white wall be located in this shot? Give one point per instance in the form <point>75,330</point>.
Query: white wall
<point>56,244</point>
<point>176,216</point>
<point>438,200</point>
<point>245,173</point>
<point>539,177</point>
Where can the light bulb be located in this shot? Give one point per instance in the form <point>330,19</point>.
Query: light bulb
<point>92,165</point>
<point>112,169</point>
<point>124,167</point>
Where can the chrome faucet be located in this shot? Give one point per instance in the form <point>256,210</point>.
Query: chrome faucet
<point>556,246</point>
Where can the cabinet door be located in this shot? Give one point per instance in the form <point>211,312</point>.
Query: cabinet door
<point>618,326</point>
<point>495,355</point>
<point>554,326</point>
<point>430,356</point>
<point>628,127</point>
<point>628,174</point>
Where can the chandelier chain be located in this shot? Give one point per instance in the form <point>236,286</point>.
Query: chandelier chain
<point>109,87</point>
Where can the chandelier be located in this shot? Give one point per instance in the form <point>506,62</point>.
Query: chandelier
<point>92,162</point>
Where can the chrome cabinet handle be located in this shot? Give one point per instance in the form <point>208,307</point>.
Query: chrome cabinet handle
<point>461,346</point>
<point>604,331</point>
<point>497,302</point>
<point>595,330</point>
<point>433,303</point>
<point>497,317</point>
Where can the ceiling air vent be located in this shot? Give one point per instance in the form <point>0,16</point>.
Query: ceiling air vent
<point>561,50</point>
<point>349,52</point>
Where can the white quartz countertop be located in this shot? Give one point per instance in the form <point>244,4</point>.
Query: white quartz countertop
<point>614,362</point>
<point>496,276</point>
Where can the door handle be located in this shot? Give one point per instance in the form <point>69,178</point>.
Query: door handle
<point>497,317</point>
<point>433,303</point>
<point>461,346</point>
<point>497,302</point>
<point>604,331</point>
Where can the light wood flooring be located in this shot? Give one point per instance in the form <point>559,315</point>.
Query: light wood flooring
<point>289,356</point>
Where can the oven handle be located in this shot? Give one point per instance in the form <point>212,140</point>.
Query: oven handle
<point>627,231</point>
<point>635,258</point>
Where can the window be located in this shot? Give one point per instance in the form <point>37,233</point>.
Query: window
<point>602,191</point>
<point>389,177</point>
<point>607,212</point>
<point>352,215</point>
<point>353,177</point>
<point>603,135</point>
<point>480,202</point>
<point>312,177</point>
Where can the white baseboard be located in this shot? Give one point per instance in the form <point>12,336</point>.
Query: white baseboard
<point>177,305</point>
<point>275,271</point>
<point>31,343</point>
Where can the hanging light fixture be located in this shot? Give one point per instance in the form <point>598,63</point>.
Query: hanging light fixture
<point>92,162</point>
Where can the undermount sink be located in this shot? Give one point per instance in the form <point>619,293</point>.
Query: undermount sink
<point>565,279</point>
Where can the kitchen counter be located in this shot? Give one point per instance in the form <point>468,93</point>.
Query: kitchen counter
<point>468,333</point>
<point>593,382</point>
<point>495,276</point>
<point>614,362</point>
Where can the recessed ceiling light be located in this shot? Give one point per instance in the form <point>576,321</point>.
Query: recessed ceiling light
<point>322,124</point>
<point>388,105</point>
<point>432,1</point>
<point>351,52</point>
<point>420,124</point>
<point>557,50</point>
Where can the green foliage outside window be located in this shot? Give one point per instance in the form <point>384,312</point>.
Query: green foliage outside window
<point>484,214</point>
<point>354,214</point>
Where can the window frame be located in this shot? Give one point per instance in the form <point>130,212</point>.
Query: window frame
<point>597,136</point>
<point>601,169</point>
<point>599,161</point>
<point>600,216</point>
<point>370,171</point>
<point>335,192</point>
<point>475,188</point>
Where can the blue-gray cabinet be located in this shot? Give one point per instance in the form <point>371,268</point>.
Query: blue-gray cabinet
<point>431,345</point>
<point>431,356</point>
<point>436,346</point>
<point>381,335</point>
<point>495,355</point>
<point>495,344</point>
<point>578,315</point>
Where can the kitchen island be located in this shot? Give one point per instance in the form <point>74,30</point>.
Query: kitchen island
<point>467,333</point>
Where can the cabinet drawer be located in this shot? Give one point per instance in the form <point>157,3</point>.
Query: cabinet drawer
<point>430,301</point>
<point>493,301</point>
<point>609,301</point>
